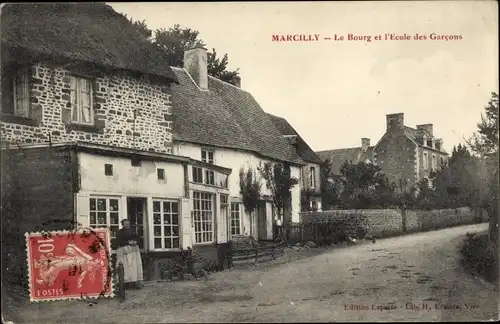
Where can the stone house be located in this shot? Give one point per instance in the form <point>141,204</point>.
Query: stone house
<point>218,123</point>
<point>409,154</point>
<point>87,132</point>
<point>310,174</point>
<point>403,153</point>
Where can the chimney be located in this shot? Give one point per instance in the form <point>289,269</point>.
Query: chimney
<point>427,128</point>
<point>195,63</point>
<point>395,122</point>
<point>439,144</point>
<point>365,144</point>
<point>236,81</point>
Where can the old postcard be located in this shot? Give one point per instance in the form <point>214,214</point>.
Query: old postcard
<point>249,162</point>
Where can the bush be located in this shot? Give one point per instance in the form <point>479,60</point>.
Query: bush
<point>479,257</point>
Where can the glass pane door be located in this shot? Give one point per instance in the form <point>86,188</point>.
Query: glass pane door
<point>136,213</point>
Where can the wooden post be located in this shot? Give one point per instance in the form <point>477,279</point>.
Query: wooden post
<point>121,281</point>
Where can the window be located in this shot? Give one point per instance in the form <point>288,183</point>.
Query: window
<point>426,161</point>
<point>21,96</point>
<point>312,177</point>
<point>161,174</point>
<point>207,156</point>
<point>81,101</point>
<point>104,212</point>
<point>442,161</point>
<point>209,177</point>
<point>197,175</point>
<point>135,161</point>
<point>223,180</point>
<point>235,219</point>
<point>108,169</point>
<point>314,205</point>
<point>166,224</point>
<point>434,166</point>
<point>203,217</point>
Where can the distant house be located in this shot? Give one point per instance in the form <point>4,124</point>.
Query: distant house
<point>338,157</point>
<point>218,123</point>
<point>310,173</point>
<point>403,153</point>
<point>408,154</point>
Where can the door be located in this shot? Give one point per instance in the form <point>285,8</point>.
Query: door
<point>262,221</point>
<point>136,215</point>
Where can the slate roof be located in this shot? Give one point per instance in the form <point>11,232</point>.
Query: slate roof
<point>303,150</point>
<point>226,116</point>
<point>414,134</point>
<point>87,32</point>
<point>339,156</point>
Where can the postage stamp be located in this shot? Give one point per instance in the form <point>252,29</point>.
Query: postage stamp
<point>69,264</point>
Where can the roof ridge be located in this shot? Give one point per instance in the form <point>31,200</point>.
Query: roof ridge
<point>227,83</point>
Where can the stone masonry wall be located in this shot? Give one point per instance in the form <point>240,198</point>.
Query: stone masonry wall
<point>380,222</point>
<point>396,156</point>
<point>115,97</point>
<point>389,222</point>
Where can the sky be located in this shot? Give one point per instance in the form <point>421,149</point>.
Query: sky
<point>336,92</point>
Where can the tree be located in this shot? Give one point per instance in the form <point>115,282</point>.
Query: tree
<point>279,182</point>
<point>485,141</point>
<point>173,42</point>
<point>330,191</point>
<point>455,184</point>
<point>141,27</point>
<point>250,189</point>
<point>485,144</point>
<point>365,186</point>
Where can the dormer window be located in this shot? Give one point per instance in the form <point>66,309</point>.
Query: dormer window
<point>81,101</point>
<point>21,96</point>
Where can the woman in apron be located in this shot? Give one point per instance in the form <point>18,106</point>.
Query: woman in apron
<point>129,255</point>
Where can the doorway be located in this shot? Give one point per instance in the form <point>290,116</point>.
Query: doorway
<point>262,221</point>
<point>136,213</point>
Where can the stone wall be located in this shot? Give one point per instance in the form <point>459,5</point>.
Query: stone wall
<point>380,222</point>
<point>390,222</point>
<point>115,97</point>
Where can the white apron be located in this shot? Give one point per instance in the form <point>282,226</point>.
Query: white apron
<point>130,256</point>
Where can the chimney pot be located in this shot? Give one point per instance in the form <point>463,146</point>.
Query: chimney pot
<point>195,63</point>
<point>365,144</point>
<point>428,128</point>
<point>236,81</point>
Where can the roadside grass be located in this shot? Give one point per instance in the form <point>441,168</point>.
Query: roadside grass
<point>479,257</point>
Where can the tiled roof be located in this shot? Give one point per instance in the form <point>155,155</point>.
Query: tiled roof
<point>225,116</point>
<point>339,156</point>
<point>86,32</point>
<point>303,150</point>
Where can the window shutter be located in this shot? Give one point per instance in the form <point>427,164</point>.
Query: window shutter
<point>82,209</point>
<point>186,224</point>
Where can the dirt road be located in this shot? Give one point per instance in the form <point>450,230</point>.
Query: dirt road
<point>415,277</point>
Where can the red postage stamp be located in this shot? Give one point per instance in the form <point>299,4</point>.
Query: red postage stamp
<point>69,264</point>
